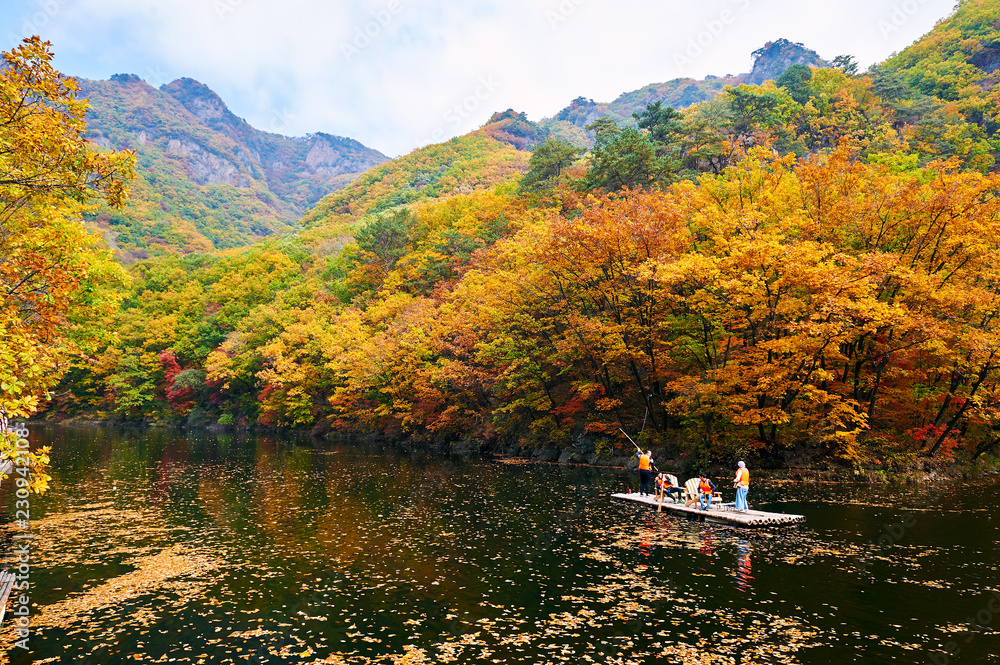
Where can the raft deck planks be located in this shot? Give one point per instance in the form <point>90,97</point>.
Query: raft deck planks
<point>748,519</point>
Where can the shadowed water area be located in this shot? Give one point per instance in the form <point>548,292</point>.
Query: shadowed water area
<point>195,548</point>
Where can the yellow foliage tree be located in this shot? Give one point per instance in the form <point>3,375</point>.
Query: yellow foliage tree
<point>51,266</point>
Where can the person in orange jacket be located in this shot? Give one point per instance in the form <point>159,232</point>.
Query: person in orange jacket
<point>666,486</point>
<point>645,471</point>
<point>706,488</point>
<point>742,484</point>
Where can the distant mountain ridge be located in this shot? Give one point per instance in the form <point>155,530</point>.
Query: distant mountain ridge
<point>770,61</point>
<point>206,179</point>
<point>318,156</point>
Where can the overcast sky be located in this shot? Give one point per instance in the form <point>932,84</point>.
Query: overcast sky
<point>398,74</point>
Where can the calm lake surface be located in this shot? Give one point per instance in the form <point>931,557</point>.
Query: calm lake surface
<point>194,548</point>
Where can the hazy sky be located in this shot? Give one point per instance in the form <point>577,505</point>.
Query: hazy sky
<point>398,74</point>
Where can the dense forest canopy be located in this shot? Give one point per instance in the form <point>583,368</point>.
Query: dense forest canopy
<point>805,264</point>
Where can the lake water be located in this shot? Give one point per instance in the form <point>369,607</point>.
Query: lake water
<point>194,548</point>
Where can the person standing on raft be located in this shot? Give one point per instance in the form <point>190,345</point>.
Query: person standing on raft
<point>742,484</point>
<point>645,471</point>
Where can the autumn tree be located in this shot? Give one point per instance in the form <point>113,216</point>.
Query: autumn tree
<point>50,264</point>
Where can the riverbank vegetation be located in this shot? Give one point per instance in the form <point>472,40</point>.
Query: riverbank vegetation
<point>801,268</point>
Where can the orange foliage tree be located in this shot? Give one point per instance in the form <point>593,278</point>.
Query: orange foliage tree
<point>778,303</point>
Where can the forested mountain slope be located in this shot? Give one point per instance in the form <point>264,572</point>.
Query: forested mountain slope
<point>479,160</point>
<point>205,178</point>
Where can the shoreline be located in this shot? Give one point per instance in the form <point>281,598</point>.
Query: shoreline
<point>822,469</point>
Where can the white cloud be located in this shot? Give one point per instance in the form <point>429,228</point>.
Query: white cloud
<point>415,60</point>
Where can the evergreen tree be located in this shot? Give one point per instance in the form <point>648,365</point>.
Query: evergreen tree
<point>795,80</point>
<point>383,240</point>
<point>624,158</point>
<point>663,122</point>
<point>547,163</point>
<point>846,64</point>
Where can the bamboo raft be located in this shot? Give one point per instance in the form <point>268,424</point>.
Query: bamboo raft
<point>718,512</point>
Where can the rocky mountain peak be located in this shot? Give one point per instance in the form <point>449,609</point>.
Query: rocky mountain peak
<point>200,100</point>
<point>513,128</point>
<point>130,80</point>
<point>772,59</point>
<point>208,172</point>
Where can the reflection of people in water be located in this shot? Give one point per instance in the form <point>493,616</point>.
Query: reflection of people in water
<point>744,571</point>
<point>645,544</point>
<point>706,542</point>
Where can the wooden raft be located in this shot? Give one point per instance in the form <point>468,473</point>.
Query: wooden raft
<point>721,513</point>
<point>7,580</point>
